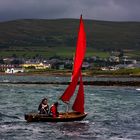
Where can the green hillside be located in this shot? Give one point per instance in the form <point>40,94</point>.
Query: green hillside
<point>47,35</point>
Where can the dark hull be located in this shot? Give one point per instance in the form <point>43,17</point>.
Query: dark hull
<point>63,117</point>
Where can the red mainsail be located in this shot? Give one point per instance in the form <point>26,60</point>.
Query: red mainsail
<point>78,60</point>
<point>80,49</point>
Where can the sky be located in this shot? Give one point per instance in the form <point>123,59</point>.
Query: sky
<point>109,10</point>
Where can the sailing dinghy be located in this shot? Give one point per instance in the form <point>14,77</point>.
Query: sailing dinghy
<point>78,107</point>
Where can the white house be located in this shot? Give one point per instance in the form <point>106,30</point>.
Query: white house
<point>14,70</point>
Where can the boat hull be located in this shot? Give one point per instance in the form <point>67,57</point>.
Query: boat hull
<point>63,117</point>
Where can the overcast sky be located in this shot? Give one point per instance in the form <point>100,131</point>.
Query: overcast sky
<point>113,10</point>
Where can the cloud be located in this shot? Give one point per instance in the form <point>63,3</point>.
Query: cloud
<point>91,9</point>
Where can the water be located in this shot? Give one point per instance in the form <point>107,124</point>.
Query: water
<point>113,113</point>
<point>11,78</point>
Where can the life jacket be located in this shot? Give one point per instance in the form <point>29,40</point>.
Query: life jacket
<point>53,111</point>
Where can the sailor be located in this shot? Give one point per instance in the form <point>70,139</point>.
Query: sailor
<point>53,110</point>
<point>43,107</point>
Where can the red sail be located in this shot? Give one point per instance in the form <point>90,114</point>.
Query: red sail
<point>79,101</point>
<point>80,49</point>
<point>78,60</point>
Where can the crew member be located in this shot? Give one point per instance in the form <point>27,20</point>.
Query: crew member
<point>44,107</point>
<point>53,110</point>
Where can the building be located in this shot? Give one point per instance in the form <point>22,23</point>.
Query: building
<point>14,70</point>
<point>36,65</point>
<point>4,67</point>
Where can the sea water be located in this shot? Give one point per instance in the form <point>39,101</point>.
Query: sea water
<point>113,112</point>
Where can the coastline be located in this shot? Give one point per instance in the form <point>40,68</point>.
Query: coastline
<point>68,74</point>
<point>100,82</point>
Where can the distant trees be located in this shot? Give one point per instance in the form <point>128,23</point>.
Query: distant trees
<point>121,54</point>
<point>17,61</point>
<point>1,61</point>
<point>14,55</point>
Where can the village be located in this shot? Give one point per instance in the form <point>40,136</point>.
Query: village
<point>114,62</point>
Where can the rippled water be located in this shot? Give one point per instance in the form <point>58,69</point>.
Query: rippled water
<point>113,113</point>
<point>43,78</point>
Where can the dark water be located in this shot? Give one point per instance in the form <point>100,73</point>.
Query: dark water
<point>11,78</point>
<point>114,113</point>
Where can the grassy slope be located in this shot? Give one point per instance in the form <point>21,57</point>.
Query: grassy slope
<point>58,37</point>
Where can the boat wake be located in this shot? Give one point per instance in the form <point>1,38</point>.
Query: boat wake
<point>86,122</point>
<point>138,89</point>
<point>8,116</point>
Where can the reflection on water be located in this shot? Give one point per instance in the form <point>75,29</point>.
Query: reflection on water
<point>113,113</point>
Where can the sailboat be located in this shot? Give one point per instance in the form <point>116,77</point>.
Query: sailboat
<point>78,106</point>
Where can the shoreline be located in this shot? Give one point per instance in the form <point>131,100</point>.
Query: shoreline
<point>100,82</point>
<point>68,74</point>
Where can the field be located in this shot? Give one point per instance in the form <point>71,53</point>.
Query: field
<point>32,37</point>
<point>30,34</point>
<point>64,52</point>
<point>61,51</point>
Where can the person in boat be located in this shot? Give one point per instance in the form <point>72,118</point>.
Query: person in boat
<point>54,110</point>
<point>43,107</point>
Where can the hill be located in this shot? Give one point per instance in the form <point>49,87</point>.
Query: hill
<point>42,34</point>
